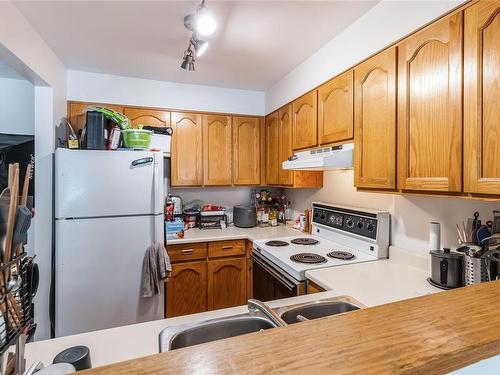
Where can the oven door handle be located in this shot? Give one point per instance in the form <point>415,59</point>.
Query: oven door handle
<point>285,282</point>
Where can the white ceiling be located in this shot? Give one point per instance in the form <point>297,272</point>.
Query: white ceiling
<point>255,45</point>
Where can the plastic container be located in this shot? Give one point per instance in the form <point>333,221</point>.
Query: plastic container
<point>137,138</point>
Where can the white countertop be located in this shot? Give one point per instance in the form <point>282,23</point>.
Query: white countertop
<point>402,276</point>
<point>234,233</point>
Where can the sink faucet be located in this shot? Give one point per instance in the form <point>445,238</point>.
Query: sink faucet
<point>256,305</point>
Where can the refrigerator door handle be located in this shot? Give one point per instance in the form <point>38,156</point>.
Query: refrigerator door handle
<point>143,161</point>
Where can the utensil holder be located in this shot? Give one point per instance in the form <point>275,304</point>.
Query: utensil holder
<point>475,270</point>
<point>15,302</point>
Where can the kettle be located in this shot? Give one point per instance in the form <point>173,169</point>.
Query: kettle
<point>177,201</point>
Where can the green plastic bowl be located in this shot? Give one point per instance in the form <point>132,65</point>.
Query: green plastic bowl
<point>137,138</point>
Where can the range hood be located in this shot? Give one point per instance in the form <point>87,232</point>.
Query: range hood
<point>322,159</point>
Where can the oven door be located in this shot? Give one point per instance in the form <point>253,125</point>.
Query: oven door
<point>270,283</point>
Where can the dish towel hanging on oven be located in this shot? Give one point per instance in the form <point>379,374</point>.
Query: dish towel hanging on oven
<point>156,269</point>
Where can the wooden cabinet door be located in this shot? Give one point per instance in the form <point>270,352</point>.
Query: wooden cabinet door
<point>187,289</point>
<point>285,177</point>
<point>76,113</point>
<point>186,160</point>
<point>305,121</point>
<point>217,150</point>
<point>246,150</point>
<point>430,108</point>
<point>335,109</point>
<point>272,149</point>
<point>227,285</point>
<point>148,117</point>
<point>375,122</point>
<point>482,98</point>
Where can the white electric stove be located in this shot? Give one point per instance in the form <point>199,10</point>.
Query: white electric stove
<point>340,236</point>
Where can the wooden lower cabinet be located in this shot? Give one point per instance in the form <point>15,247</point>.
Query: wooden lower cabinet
<point>187,289</point>
<point>202,280</point>
<point>312,287</point>
<point>226,283</point>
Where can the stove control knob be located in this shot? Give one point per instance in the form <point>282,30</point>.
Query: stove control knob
<point>350,223</point>
<point>370,227</point>
<point>323,216</point>
<point>360,225</point>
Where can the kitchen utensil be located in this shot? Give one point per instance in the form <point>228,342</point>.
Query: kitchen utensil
<point>461,239</point>
<point>13,187</point>
<point>482,233</point>
<point>466,233</point>
<point>476,223</point>
<point>496,222</point>
<point>491,241</point>
<point>244,216</point>
<point>446,269</point>
<point>22,224</point>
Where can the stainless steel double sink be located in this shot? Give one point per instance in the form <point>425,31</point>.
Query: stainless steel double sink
<point>181,336</point>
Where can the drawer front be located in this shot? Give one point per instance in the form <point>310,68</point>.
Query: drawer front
<point>188,251</point>
<point>226,248</point>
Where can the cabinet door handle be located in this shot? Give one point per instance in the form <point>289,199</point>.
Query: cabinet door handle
<point>187,251</point>
<point>227,247</point>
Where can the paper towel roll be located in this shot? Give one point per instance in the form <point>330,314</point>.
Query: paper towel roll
<point>434,236</point>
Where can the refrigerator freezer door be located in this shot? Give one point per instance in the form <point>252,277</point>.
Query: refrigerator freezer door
<point>107,183</point>
<point>98,269</point>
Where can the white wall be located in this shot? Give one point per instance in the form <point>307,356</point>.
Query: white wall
<point>105,88</point>
<point>223,196</point>
<point>410,214</point>
<point>382,25</point>
<point>17,106</point>
<point>22,47</point>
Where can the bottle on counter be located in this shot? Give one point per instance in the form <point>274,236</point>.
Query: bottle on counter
<point>273,218</point>
<point>288,212</point>
<point>169,208</point>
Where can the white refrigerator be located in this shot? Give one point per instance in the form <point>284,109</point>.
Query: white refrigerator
<point>108,210</point>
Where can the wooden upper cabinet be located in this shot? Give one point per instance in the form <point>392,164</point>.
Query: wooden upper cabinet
<point>227,286</point>
<point>272,149</point>
<point>375,122</point>
<point>285,177</point>
<point>430,108</point>
<point>305,121</point>
<point>217,150</point>
<point>76,113</point>
<point>482,98</point>
<point>246,150</point>
<point>335,109</point>
<point>187,289</point>
<point>186,160</point>
<point>148,117</point>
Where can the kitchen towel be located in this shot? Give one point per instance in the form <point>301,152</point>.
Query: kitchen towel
<point>156,268</point>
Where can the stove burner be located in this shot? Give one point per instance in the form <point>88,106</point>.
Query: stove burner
<point>342,255</point>
<point>308,258</point>
<point>304,241</point>
<point>277,243</point>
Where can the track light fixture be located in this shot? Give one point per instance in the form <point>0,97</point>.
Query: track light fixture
<point>188,59</point>
<point>200,46</point>
<point>203,23</point>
